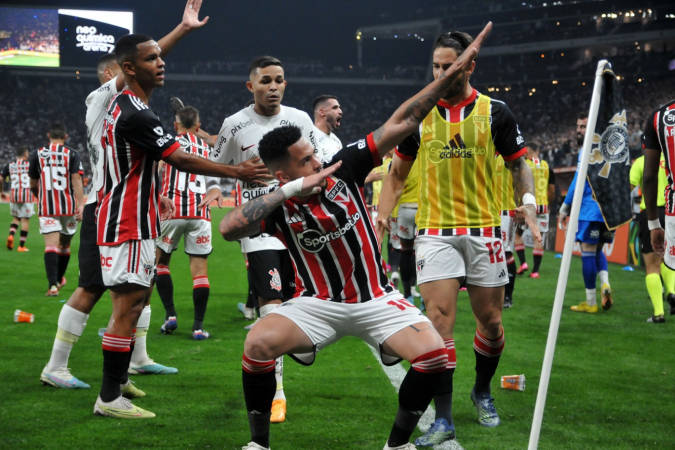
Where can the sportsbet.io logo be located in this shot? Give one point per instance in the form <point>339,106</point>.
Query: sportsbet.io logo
<point>314,241</point>
<point>669,118</point>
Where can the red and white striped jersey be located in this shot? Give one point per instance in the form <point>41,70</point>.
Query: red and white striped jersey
<point>187,189</point>
<point>331,238</point>
<point>53,166</point>
<point>17,171</point>
<point>133,142</point>
<point>659,134</point>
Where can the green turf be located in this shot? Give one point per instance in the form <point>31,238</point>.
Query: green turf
<point>612,385</point>
<point>30,60</point>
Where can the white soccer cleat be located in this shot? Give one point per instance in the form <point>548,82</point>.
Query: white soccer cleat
<point>120,408</point>
<point>254,446</point>
<point>249,313</point>
<point>407,446</point>
<point>61,378</point>
<point>413,291</point>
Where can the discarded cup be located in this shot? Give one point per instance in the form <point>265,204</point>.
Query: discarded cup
<point>101,331</point>
<point>21,316</point>
<point>516,382</point>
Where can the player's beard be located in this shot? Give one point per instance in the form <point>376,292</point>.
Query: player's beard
<point>580,139</point>
<point>456,87</point>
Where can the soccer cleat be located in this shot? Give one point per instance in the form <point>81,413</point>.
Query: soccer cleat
<point>657,319</point>
<point>407,446</point>
<point>395,278</point>
<point>10,242</point>
<point>671,301</point>
<point>152,368</point>
<point>487,414</point>
<point>200,335</point>
<point>63,282</point>
<point>508,302</point>
<point>534,275</point>
<point>414,292</point>
<point>522,269</point>
<point>439,432</point>
<point>170,325</point>
<point>278,411</point>
<point>120,408</point>
<point>22,249</point>
<point>62,378</point>
<point>130,391</point>
<point>248,327</point>
<point>254,446</point>
<point>585,307</point>
<point>249,313</point>
<point>176,104</point>
<point>607,301</point>
<point>52,292</point>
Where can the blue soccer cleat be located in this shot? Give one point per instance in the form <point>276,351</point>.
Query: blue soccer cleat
<point>62,378</point>
<point>152,368</point>
<point>170,325</point>
<point>200,335</point>
<point>439,432</point>
<point>487,414</point>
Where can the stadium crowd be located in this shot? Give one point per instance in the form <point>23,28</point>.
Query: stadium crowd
<point>30,30</point>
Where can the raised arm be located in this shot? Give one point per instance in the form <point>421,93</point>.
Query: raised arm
<point>250,171</point>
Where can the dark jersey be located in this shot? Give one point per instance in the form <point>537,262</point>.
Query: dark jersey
<point>133,141</point>
<point>659,134</point>
<point>17,171</point>
<point>53,166</point>
<point>331,238</point>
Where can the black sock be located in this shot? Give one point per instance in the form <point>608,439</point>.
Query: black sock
<point>64,259</point>
<point>115,365</point>
<point>443,396</point>
<point>511,268</point>
<point>488,352</point>
<point>537,261</point>
<point>125,376</point>
<point>12,229</point>
<point>22,239</point>
<point>52,268</point>
<point>394,259</point>
<point>407,271</point>
<point>414,397</point>
<point>521,255</point>
<point>259,390</point>
<point>164,286</point>
<point>200,297</point>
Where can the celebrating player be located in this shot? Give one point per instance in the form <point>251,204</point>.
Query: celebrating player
<point>56,180</point>
<point>186,190</point>
<point>20,198</point>
<point>458,219</point>
<point>327,117</point>
<point>341,285</point>
<point>593,235</point>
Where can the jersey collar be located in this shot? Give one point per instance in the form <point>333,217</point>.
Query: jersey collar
<point>470,99</point>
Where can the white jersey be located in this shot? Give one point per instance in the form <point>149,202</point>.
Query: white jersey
<point>327,145</point>
<point>238,142</point>
<point>97,103</point>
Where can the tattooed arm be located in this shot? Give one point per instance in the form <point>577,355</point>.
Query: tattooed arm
<point>411,113</point>
<point>244,220</point>
<point>523,183</point>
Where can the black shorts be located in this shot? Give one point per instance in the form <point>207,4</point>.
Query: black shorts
<point>89,258</point>
<point>271,274</point>
<point>644,234</point>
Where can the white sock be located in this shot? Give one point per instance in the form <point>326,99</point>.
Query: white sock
<point>140,355</point>
<point>71,324</point>
<point>279,363</point>
<point>604,277</point>
<point>265,310</point>
<point>590,297</point>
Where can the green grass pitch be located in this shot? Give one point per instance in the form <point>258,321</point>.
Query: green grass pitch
<point>612,385</point>
<point>29,60</point>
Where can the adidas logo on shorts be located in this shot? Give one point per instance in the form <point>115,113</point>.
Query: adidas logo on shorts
<point>502,274</point>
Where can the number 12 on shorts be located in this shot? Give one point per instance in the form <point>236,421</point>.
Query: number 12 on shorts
<point>496,253</point>
<point>401,304</point>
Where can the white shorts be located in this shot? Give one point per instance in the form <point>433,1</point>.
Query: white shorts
<point>325,322</point>
<point>542,221</point>
<point>22,210</point>
<point>132,262</point>
<point>406,229</point>
<point>479,259</point>
<point>508,231</point>
<point>669,254</point>
<point>197,234</point>
<point>63,224</point>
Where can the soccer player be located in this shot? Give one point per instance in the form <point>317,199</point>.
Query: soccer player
<point>653,261</point>
<point>194,223</point>
<point>342,288</point>
<point>504,194</point>
<point>458,218</point>
<point>269,267</point>
<point>128,207</point>
<point>74,314</point>
<point>20,198</point>
<point>544,184</point>
<point>327,117</point>
<point>593,234</point>
<point>658,146</point>
<point>56,180</point>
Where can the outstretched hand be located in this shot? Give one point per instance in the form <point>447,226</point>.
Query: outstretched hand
<point>314,183</point>
<point>191,15</point>
<point>529,212</point>
<point>463,63</point>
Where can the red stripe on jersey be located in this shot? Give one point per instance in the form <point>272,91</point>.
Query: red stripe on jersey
<point>377,160</point>
<point>456,111</point>
<point>516,155</point>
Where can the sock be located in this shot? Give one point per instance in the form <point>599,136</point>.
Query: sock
<point>132,345</point>
<point>407,267</point>
<point>443,394</point>
<point>200,297</point>
<point>487,353</point>
<point>70,327</point>
<point>165,289</point>
<point>590,271</point>
<point>64,259</point>
<point>654,288</point>
<point>394,259</point>
<point>537,255</point>
<point>511,268</point>
<point>591,297</point>
<point>520,250</point>
<point>22,239</point>
<point>116,351</point>
<point>601,265</point>
<point>668,279</point>
<point>279,363</point>
<point>258,381</point>
<point>139,357</point>
<point>52,265</point>
<point>12,228</point>
<point>415,394</point>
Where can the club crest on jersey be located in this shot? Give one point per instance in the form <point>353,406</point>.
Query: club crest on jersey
<point>612,146</point>
<point>481,122</point>
<point>275,282</point>
<point>335,190</point>
<point>44,153</point>
<point>669,118</point>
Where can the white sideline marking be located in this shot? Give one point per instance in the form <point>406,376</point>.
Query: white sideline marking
<point>396,374</point>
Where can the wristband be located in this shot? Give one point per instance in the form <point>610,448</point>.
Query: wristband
<point>292,188</point>
<point>529,199</point>
<point>654,224</point>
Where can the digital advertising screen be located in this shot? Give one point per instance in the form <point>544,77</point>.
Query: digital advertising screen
<point>42,37</point>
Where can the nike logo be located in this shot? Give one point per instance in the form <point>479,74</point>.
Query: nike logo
<point>243,149</point>
<point>121,412</point>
